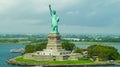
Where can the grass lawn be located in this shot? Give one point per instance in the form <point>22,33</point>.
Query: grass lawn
<point>117,60</point>
<point>81,61</point>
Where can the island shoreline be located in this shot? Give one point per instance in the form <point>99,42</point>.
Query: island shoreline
<point>12,62</point>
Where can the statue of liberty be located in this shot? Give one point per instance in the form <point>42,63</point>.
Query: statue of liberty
<point>54,20</point>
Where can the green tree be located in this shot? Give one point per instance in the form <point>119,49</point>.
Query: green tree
<point>33,48</point>
<point>78,50</point>
<point>29,49</point>
<point>103,52</point>
<point>41,46</point>
<point>68,46</point>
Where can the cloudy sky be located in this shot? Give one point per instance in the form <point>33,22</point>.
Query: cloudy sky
<point>76,16</point>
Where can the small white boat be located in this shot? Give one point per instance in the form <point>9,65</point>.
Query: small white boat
<point>17,50</point>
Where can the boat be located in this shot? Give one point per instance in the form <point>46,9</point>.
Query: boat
<point>17,50</point>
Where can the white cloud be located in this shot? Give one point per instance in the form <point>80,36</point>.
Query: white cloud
<point>73,12</point>
<point>65,3</point>
<point>93,13</point>
<point>6,4</point>
<point>35,5</point>
<point>28,21</point>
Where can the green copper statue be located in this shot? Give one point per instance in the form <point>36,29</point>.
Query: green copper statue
<point>55,20</point>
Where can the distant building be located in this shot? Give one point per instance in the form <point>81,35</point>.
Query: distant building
<point>71,39</point>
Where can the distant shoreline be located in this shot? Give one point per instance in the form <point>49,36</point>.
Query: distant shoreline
<point>12,43</point>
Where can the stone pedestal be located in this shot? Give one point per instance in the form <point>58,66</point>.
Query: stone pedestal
<point>54,42</point>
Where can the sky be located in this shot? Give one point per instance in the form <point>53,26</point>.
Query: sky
<point>76,16</point>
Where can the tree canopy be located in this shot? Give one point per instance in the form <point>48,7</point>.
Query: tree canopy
<point>78,50</point>
<point>103,52</point>
<point>33,48</point>
<point>29,49</point>
<point>68,46</point>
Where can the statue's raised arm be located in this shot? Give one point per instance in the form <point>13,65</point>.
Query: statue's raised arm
<point>50,9</point>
